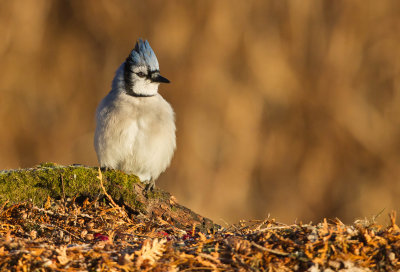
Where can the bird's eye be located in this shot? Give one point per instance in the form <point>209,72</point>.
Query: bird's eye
<point>141,74</point>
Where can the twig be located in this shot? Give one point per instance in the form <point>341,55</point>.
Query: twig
<point>100,177</point>
<point>376,216</point>
<point>57,227</point>
<point>199,268</point>
<point>274,228</point>
<point>2,206</point>
<point>63,188</point>
<point>273,251</point>
<point>47,212</point>
<point>209,257</point>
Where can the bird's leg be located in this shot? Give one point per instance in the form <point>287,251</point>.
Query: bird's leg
<point>150,185</point>
<point>104,168</point>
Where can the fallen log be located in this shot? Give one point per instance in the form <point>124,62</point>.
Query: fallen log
<point>82,182</point>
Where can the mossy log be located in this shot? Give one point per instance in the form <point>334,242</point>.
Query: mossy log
<point>81,182</point>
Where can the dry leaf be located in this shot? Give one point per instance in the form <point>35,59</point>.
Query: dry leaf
<point>62,255</point>
<point>151,251</point>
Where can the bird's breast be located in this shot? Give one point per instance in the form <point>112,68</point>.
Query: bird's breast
<point>155,139</point>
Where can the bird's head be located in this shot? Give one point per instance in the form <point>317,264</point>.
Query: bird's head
<point>141,72</point>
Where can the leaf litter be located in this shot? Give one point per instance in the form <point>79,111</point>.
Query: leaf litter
<point>72,235</point>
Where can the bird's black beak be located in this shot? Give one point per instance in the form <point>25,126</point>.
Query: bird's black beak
<point>156,77</point>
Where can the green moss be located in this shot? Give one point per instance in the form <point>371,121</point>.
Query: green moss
<point>121,187</point>
<point>56,181</point>
<point>155,194</point>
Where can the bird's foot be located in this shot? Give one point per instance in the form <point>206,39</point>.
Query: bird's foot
<point>150,186</point>
<point>104,168</point>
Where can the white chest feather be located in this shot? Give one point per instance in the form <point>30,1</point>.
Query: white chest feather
<point>135,135</point>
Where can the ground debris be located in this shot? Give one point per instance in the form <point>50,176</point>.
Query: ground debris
<point>65,235</point>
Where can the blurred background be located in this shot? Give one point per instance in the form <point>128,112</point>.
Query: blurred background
<point>287,108</point>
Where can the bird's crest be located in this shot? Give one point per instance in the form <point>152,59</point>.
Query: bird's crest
<point>143,55</point>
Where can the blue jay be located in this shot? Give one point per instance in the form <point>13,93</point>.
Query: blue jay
<point>135,129</point>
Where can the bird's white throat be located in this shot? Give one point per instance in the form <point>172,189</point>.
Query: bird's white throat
<point>143,87</point>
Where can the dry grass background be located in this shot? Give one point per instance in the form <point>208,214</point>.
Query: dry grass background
<point>283,107</point>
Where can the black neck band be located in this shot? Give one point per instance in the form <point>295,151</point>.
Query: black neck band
<point>131,93</point>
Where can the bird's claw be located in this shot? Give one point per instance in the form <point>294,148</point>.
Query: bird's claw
<point>104,168</point>
<point>150,186</point>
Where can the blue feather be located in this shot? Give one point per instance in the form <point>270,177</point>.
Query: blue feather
<point>143,55</point>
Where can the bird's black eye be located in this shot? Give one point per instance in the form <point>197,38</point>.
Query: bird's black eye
<point>141,74</point>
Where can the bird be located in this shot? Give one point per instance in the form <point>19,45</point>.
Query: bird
<point>135,125</point>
